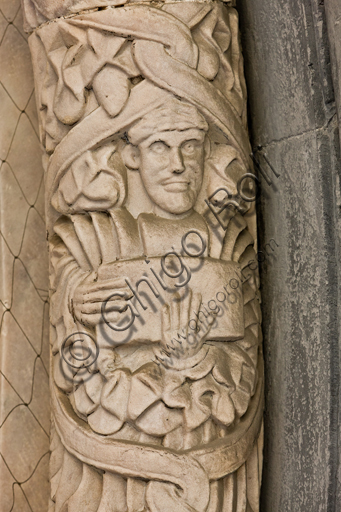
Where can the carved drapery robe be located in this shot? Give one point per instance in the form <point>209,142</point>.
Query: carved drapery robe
<point>146,425</point>
<point>139,399</point>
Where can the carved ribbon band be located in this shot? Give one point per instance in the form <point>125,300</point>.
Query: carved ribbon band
<point>168,64</point>
<point>191,471</point>
<point>106,80</point>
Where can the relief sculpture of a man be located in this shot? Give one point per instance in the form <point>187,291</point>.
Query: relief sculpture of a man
<point>155,312</point>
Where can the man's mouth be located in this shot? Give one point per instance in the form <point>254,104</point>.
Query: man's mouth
<point>176,185</point>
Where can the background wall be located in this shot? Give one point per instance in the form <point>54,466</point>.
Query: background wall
<point>293,118</point>
<point>24,362</point>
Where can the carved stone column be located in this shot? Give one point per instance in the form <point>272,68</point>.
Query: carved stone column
<point>157,376</point>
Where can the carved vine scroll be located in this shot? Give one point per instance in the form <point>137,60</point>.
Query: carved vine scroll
<point>157,377</point>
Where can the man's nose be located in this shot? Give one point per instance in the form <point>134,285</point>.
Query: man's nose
<point>177,163</point>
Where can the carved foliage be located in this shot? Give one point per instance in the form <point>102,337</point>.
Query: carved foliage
<point>142,112</point>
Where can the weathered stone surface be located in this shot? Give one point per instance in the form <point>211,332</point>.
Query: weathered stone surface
<point>291,104</point>
<point>19,501</point>
<point>9,116</point>
<point>293,119</point>
<point>10,9</point>
<point>21,356</point>
<point>39,480</point>
<point>30,444</point>
<point>6,486</point>
<point>27,299</point>
<point>9,399</point>
<point>14,55</point>
<point>33,248</point>
<point>333,15</point>
<point>291,100</point>
<point>142,114</point>
<point>12,198</point>
<point>25,147</point>
<point>39,11</point>
<point>23,439</point>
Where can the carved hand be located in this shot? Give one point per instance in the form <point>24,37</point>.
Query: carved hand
<point>90,294</point>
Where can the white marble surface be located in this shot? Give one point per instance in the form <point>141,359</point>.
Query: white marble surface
<point>24,362</point>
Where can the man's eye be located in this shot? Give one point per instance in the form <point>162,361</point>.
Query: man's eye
<point>159,147</point>
<point>190,146</point>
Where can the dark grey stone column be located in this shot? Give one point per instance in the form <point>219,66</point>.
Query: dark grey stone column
<point>333,14</point>
<point>293,121</point>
